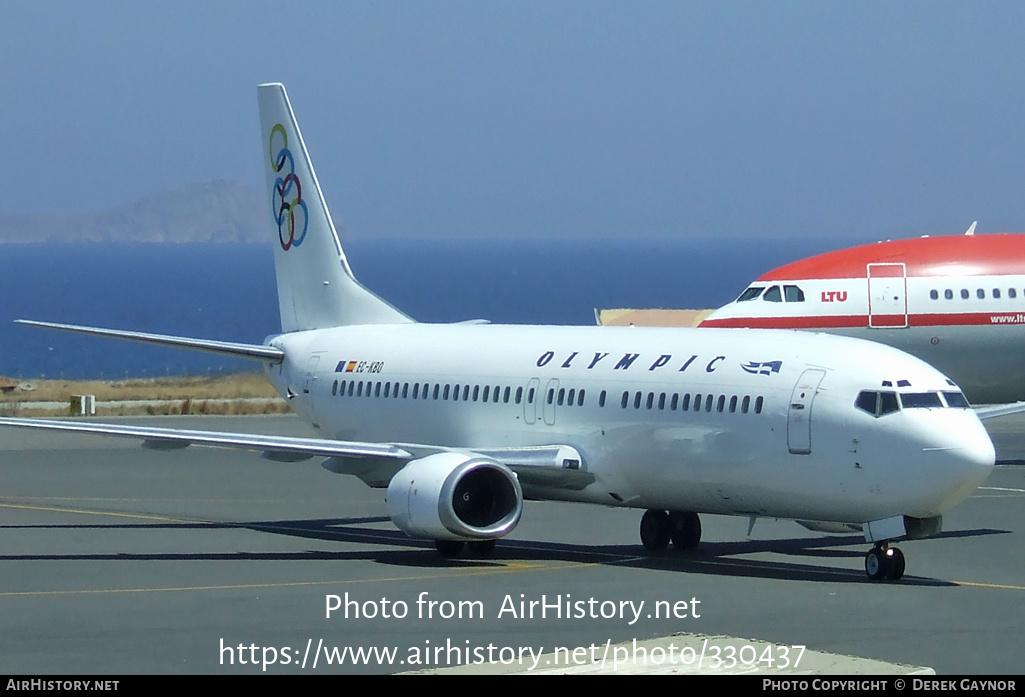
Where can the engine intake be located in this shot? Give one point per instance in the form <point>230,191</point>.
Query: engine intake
<point>452,496</point>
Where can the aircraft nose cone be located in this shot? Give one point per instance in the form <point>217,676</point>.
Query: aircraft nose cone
<point>981,455</point>
<point>974,456</point>
<point>959,459</point>
<point>978,446</point>
<point>974,448</point>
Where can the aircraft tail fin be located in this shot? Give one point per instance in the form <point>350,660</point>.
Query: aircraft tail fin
<point>316,287</point>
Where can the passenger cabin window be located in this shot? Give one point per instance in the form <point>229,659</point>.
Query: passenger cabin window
<point>750,294</point>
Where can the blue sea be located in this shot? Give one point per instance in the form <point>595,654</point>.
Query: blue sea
<point>228,291</point>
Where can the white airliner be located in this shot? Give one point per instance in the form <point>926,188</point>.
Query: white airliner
<point>461,422</point>
<point>957,302</point>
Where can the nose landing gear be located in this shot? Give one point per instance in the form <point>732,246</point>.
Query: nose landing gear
<point>884,563</point>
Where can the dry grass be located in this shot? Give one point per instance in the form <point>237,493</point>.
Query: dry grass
<point>239,386</point>
<point>226,394</point>
<point>198,408</point>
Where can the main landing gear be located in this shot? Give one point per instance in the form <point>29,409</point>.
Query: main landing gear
<point>452,549</point>
<point>659,527</point>
<point>884,563</point>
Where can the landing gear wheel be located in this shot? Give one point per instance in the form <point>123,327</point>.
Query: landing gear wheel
<point>450,549</point>
<point>684,529</point>
<point>884,563</point>
<point>482,550</point>
<point>898,564</point>
<point>655,530</point>
<point>875,564</point>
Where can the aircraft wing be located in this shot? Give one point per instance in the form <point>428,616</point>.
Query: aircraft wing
<point>282,448</point>
<point>546,467</point>
<point>991,411</point>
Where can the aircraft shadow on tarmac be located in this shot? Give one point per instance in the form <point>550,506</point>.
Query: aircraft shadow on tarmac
<point>712,558</point>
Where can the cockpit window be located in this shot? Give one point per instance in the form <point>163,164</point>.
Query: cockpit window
<point>773,295</point>
<point>750,294</point>
<point>883,403</point>
<point>866,401</point>
<point>793,294</point>
<point>920,400</point>
<point>956,400</point>
<point>888,403</point>
<point>877,403</point>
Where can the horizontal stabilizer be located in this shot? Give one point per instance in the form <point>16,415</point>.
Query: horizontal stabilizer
<point>225,348</point>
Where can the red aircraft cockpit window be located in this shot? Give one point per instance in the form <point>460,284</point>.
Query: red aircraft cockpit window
<point>773,295</point>
<point>750,294</point>
<point>793,294</point>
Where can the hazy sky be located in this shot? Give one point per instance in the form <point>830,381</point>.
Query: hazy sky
<point>855,121</point>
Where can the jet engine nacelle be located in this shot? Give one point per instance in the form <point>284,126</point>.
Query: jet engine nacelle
<point>453,496</point>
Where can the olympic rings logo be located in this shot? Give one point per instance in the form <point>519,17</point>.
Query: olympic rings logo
<point>287,199</point>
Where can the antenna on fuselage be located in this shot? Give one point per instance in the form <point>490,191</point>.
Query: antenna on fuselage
<point>971,228</point>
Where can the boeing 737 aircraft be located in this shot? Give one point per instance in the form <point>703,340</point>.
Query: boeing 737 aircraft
<point>957,302</point>
<point>461,422</point>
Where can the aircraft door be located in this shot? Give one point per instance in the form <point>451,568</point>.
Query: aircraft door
<point>311,373</point>
<point>548,408</point>
<point>308,382</point>
<point>530,398</point>
<point>887,295</point>
<point>799,411</point>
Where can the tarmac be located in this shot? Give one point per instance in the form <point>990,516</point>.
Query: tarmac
<point>115,560</point>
